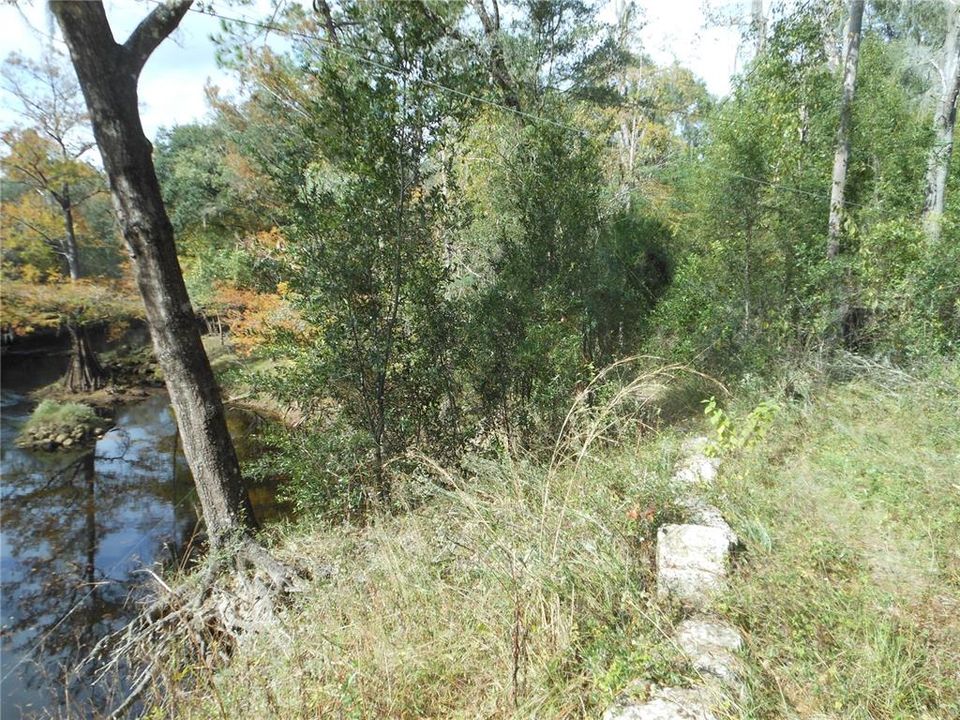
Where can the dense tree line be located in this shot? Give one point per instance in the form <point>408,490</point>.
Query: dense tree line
<point>472,207</point>
<point>442,219</point>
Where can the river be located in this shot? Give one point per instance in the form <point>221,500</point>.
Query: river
<point>78,529</point>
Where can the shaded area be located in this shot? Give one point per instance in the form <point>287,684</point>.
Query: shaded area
<point>77,530</point>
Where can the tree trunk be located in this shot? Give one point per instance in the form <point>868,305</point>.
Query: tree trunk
<point>84,374</point>
<point>841,156</point>
<point>69,235</point>
<point>758,22</point>
<point>498,63</point>
<point>108,74</point>
<point>938,163</point>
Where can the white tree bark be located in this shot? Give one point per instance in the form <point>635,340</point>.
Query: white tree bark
<point>841,158</point>
<point>944,121</point>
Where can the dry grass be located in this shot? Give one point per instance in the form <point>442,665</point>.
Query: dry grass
<point>466,608</point>
<point>521,591</point>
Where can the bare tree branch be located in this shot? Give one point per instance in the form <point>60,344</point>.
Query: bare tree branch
<point>153,30</point>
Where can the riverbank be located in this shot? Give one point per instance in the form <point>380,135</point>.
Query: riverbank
<point>78,528</point>
<point>233,373</point>
<point>516,591</point>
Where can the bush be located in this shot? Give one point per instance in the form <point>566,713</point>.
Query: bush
<point>910,290</point>
<point>56,414</point>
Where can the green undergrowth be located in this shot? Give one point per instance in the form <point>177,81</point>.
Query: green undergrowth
<point>513,591</point>
<point>848,589</point>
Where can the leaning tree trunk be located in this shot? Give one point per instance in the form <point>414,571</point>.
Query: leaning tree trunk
<point>108,74</point>
<point>841,158</point>
<point>938,163</point>
<point>84,374</point>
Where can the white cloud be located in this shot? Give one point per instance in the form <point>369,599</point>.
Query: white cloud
<point>172,82</point>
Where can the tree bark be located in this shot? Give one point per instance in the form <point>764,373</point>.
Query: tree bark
<point>841,158</point>
<point>498,63</point>
<point>108,74</point>
<point>84,374</point>
<point>758,22</point>
<point>938,162</point>
<point>70,251</point>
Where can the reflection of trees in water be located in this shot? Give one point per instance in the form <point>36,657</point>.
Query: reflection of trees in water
<point>55,523</point>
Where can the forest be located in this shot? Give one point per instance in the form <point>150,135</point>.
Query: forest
<point>479,270</point>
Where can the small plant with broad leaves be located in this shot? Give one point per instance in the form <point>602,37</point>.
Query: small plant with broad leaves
<point>729,436</point>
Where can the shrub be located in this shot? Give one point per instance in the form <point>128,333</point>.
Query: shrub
<point>69,414</point>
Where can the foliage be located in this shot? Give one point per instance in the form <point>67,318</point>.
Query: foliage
<point>755,283</point>
<point>737,436</point>
<point>910,290</point>
<point>28,306</point>
<point>434,272</point>
<point>254,317</point>
<point>60,414</point>
<point>57,213</point>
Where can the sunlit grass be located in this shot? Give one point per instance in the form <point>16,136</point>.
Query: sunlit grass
<point>849,589</point>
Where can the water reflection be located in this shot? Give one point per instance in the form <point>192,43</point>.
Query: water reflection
<point>77,531</point>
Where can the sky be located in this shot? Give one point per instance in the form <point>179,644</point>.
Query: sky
<point>172,83</point>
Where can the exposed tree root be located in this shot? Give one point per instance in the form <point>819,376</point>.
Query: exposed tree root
<point>202,620</point>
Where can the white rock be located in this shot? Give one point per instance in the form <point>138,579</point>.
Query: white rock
<point>691,563</point>
<point>667,704</point>
<point>697,469</point>
<point>711,646</point>
<point>703,514</point>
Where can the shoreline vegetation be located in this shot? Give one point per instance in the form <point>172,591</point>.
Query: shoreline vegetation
<point>478,278</point>
<point>65,419</point>
<point>510,589</point>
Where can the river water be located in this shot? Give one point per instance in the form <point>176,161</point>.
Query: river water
<point>78,529</point>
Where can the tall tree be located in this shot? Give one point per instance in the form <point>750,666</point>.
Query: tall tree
<point>48,155</point>
<point>108,73</point>
<point>499,71</point>
<point>938,163</point>
<point>841,157</point>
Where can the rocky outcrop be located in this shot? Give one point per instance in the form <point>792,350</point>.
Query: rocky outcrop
<point>692,570</point>
<point>57,437</point>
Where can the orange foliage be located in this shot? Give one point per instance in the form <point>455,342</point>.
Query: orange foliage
<point>255,318</point>
<point>28,306</point>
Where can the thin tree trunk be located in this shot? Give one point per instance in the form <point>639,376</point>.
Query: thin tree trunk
<point>938,163</point>
<point>69,235</point>
<point>108,74</point>
<point>84,374</point>
<point>758,21</point>
<point>841,158</point>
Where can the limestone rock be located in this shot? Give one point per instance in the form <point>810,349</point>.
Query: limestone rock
<point>697,470</point>
<point>667,704</point>
<point>703,514</point>
<point>691,563</point>
<point>711,646</point>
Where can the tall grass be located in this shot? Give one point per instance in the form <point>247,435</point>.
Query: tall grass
<point>517,590</point>
<point>849,591</point>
